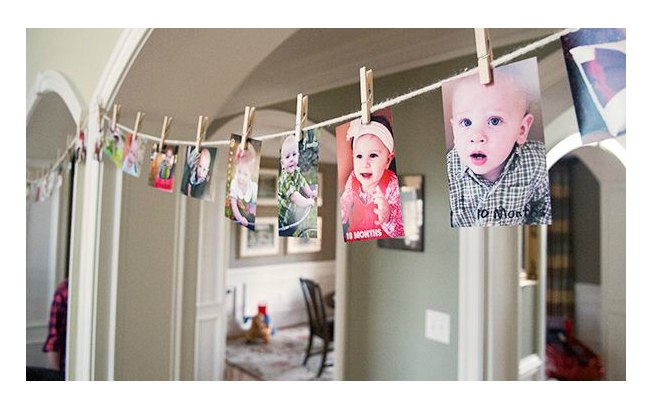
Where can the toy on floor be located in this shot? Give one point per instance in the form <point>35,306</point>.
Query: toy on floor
<point>261,326</point>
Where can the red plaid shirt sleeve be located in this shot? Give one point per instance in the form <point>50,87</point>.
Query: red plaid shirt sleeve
<point>56,340</point>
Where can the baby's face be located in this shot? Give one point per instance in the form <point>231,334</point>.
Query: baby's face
<point>243,173</point>
<point>370,160</point>
<point>203,165</point>
<point>487,121</point>
<point>289,156</point>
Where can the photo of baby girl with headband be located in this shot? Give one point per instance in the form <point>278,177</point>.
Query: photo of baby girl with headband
<point>370,200</point>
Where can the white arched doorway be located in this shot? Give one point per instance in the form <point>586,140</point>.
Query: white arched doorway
<point>606,161</point>
<point>54,114</point>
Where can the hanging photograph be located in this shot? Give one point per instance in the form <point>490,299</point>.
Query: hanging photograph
<point>242,181</point>
<point>80,148</point>
<point>596,65</point>
<point>496,158</point>
<point>263,241</point>
<point>304,245</point>
<point>162,167</point>
<point>197,172</point>
<point>114,144</point>
<point>370,200</point>
<point>298,188</point>
<point>413,219</point>
<point>133,157</point>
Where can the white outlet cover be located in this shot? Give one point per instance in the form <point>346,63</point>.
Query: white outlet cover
<point>438,326</point>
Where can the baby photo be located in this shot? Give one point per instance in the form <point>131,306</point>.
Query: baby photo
<point>162,166</point>
<point>114,146</point>
<point>370,199</point>
<point>133,156</point>
<point>596,64</point>
<point>197,172</point>
<point>242,181</point>
<point>298,187</point>
<point>496,159</point>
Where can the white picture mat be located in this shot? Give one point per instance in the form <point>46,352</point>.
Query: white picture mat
<point>263,241</point>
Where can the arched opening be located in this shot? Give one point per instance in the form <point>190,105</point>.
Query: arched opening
<point>53,115</point>
<point>585,296</point>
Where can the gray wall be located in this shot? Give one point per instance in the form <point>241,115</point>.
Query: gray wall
<point>585,202</point>
<point>390,290</point>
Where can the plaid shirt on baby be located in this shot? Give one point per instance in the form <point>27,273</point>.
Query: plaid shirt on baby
<point>288,183</point>
<point>521,195</point>
<point>56,340</point>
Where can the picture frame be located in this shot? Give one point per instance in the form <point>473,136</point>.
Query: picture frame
<point>305,245</point>
<point>413,207</point>
<point>267,187</point>
<point>263,241</point>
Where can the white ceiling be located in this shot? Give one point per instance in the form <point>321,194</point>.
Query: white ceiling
<point>217,72</point>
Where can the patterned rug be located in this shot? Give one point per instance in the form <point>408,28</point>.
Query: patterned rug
<point>281,359</point>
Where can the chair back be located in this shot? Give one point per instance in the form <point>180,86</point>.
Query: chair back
<point>316,308</point>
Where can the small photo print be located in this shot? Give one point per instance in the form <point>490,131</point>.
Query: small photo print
<point>162,167</point>
<point>197,172</point>
<point>370,199</point>
<point>133,157</point>
<point>298,188</point>
<point>496,158</point>
<point>114,144</point>
<point>242,181</point>
<point>596,64</point>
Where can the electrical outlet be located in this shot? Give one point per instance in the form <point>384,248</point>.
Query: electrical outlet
<point>438,326</point>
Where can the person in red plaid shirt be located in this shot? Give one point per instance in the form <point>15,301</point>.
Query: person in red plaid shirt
<point>55,345</point>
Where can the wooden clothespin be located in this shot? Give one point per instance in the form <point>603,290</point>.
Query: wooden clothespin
<point>485,55</point>
<point>247,125</point>
<point>202,123</point>
<point>302,116</point>
<point>139,119</point>
<point>167,121</point>
<point>114,117</point>
<point>366,93</point>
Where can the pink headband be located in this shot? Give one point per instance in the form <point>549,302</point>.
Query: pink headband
<point>372,128</point>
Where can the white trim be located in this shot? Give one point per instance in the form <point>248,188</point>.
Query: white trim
<point>114,275</point>
<point>54,82</point>
<point>177,288</point>
<point>341,284</point>
<point>83,308</point>
<point>470,354</point>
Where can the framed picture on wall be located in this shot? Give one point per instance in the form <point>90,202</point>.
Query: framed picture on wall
<point>267,185</point>
<point>305,245</point>
<point>264,241</point>
<point>412,205</point>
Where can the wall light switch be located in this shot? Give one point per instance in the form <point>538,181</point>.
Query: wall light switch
<point>438,326</point>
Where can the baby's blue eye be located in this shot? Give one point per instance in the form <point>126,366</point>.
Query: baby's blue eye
<point>373,155</point>
<point>494,121</point>
<point>358,156</point>
<point>466,122</point>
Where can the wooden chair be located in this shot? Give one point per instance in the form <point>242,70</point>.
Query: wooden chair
<point>321,325</point>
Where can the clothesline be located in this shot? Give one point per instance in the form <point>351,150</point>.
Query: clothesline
<point>389,102</point>
<point>59,160</point>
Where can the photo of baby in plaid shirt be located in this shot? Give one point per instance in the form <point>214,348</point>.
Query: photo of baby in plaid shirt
<point>497,172</point>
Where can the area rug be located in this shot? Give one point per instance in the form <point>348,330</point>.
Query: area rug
<point>281,359</point>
